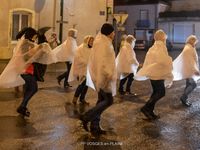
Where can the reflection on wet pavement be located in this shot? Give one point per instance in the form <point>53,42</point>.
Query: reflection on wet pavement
<point>16,127</point>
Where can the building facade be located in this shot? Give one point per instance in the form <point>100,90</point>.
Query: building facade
<point>86,16</point>
<point>178,18</point>
<point>142,19</point>
<point>180,21</point>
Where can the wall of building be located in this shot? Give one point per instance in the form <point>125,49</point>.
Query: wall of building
<point>7,6</point>
<point>185,5</point>
<point>84,15</point>
<point>168,28</point>
<point>85,18</point>
<point>134,15</point>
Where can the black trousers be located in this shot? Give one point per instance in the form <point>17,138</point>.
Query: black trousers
<point>158,92</point>
<point>190,86</point>
<point>39,71</point>
<point>30,88</point>
<point>81,90</point>
<point>104,101</point>
<point>65,75</point>
<point>129,80</point>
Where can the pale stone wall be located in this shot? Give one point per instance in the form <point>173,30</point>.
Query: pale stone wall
<point>5,41</point>
<point>83,14</point>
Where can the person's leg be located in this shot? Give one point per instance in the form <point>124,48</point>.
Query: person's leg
<point>158,92</point>
<point>93,115</point>
<point>121,86</point>
<point>60,77</point>
<point>63,75</point>
<point>129,83</point>
<point>30,88</point>
<point>66,84</point>
<point>190,86</point>
<point>83,93</point>
<point>78,91</point>
<point>95,127</point>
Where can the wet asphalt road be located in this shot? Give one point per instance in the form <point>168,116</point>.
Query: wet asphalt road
<point>54,123</point>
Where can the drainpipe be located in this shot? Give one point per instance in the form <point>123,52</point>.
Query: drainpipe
<point>54,16</point>
<point>156,16</point>
<point>61,19</point>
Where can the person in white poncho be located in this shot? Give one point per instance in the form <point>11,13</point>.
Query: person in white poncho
<point>186,66</point>
<point>20,69</point>
<point>65,53</point>
<point>102,70</point>
<point>158,68</point>
<point>127,64</point>
<point>79,69</point>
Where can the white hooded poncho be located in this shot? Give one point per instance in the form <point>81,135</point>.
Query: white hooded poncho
<point>26,52</point>
<point>126,61</point>
<point>186,64</point>
<point>157,64</point>
<point>65,51</point>
<point>79,66</point>
<point>101,67</point>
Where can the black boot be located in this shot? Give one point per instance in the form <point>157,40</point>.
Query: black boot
<point>58,80</point>
<point>23,111</point>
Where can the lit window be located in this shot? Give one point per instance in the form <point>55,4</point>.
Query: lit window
<point>20,19</point>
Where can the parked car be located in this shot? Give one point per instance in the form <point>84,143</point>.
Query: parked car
<point>140,45</point>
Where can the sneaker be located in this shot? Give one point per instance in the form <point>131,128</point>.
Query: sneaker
<point>147,113</point>
<point>97,131</point>
<point>185,102</point>
<point>130,93</point>
<point>84,123</point>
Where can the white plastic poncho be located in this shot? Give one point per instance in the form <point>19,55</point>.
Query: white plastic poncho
<point>157,64</point>
<point>101,72</point>
<point>79,65</point>
<point>126,61</point>
<point>25,53</point>
<point>65,51</point>
<point>186,64</point>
